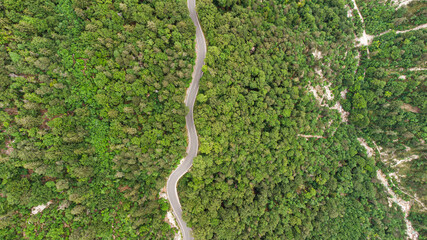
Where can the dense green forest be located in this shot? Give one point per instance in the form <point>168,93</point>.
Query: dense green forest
<point>92,118</point>
<point>391,85</point>
<point>381,16</point>
<point>91,115</point>
<point>387,101</point>
<point>256,176</point>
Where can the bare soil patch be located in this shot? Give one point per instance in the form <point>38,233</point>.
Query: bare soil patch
<point>11,111</point>
<point>9,148</point>
<point>410,108</point>
<point>369,150</point>
<point>404,205</point>
<point>310,136</point>
<point>124,188</point>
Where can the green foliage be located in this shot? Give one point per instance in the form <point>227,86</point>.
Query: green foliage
<point>419,219</point>
<point>92,118</point>
<point>92,115</point>
<point>255,177</point>
<point>381,16</point>
<point>391,81</point>
<point>388,98</point>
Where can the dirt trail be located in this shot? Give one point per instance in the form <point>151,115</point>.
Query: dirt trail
<point>365,39</point>
<point>324,92</point>
<point>319,95</point>
<point>358,12</point>
<point>401,3</point>
<point>413,29</point>
<point>417,69</point>
<point>404,31</point>
<point>310,136</point>
<point>415,197</point>
<point>405,205</point>
<point>369,150</point>
<point>407,159</point>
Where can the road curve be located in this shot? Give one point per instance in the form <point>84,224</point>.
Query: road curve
<point>193,144</point>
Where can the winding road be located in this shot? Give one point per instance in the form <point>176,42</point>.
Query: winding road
<point>193,144</point>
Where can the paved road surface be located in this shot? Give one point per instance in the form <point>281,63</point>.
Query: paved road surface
<point>191,129</point>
